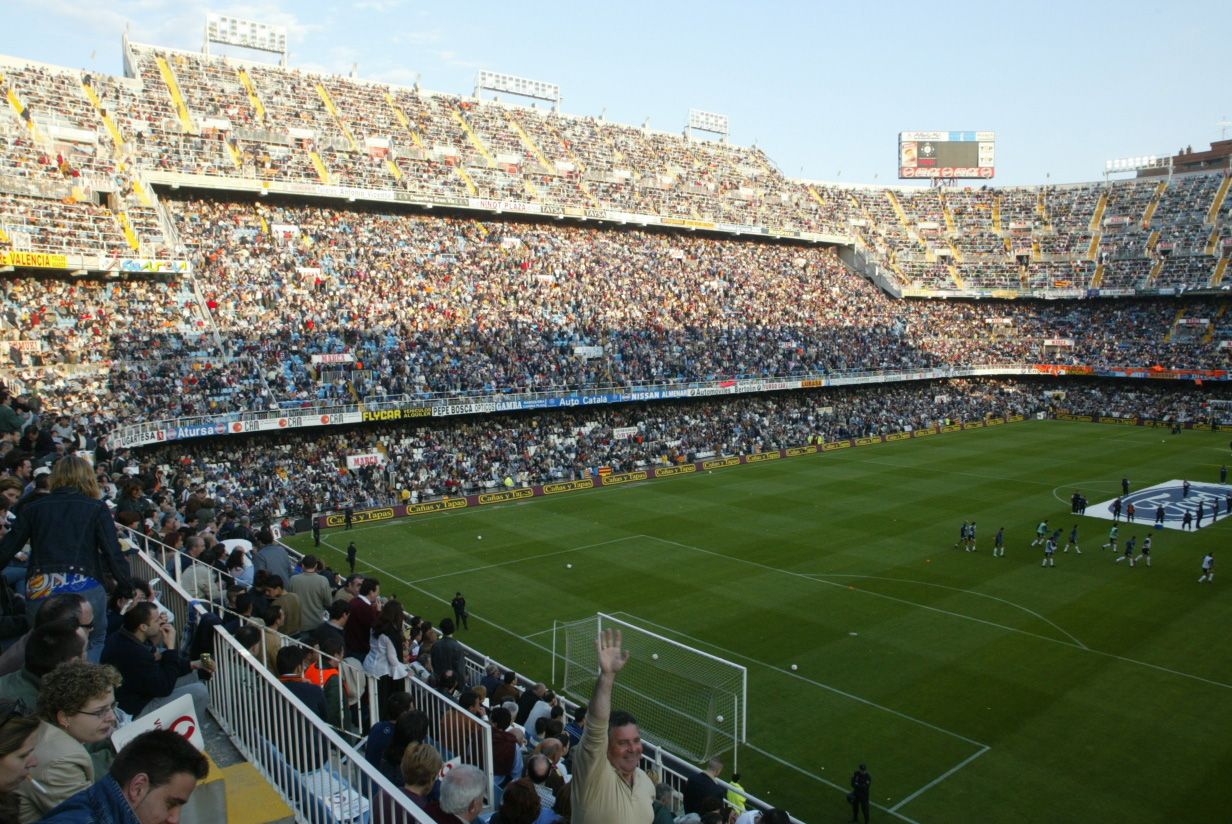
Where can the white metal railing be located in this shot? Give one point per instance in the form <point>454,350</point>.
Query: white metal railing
<point>455,733</point>
<point>320,776</point>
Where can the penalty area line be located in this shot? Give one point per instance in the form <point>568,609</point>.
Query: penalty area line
<point>819,684</point>
<point>940,778</point>
<point>820,780</point>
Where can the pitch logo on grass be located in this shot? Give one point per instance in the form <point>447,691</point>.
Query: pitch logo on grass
<point>1171,496</point>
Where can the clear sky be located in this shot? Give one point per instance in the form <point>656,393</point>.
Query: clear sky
<point>823,87</point>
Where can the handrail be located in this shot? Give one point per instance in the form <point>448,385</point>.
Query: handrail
<point>434,703</point>
<point>307,762</point>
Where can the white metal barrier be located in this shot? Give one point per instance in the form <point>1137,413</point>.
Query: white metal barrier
<point>247,701</point>
<point>320,776</point>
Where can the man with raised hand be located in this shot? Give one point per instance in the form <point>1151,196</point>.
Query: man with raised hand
<point>609,786</point>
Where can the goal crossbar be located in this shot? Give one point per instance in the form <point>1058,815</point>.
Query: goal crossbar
<point>687,699</point>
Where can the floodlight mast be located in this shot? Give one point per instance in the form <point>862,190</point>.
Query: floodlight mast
<point>248,34</point>
<point>1133,165</point>
<point>520,86</point>
<point>709,122</point>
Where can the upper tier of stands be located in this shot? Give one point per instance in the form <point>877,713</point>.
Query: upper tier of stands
<point>74,148</point>
<point>418,306</point>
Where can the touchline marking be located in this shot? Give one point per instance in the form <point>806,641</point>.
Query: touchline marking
<point>732,653</point>
<point>939,778</point>
<point>520,560</point>
<point>1032,612</point>
<point>891,810</point>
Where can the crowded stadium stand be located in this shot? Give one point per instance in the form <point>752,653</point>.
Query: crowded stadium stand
<point>240,272</point>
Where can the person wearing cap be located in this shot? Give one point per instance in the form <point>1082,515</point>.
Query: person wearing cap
<point>861,782</point>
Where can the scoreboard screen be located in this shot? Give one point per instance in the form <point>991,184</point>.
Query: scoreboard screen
<point>946,155</point>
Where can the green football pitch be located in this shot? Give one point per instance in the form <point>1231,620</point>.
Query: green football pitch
<point>976,688</point>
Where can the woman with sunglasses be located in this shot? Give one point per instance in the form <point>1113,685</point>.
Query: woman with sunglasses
<point>77,709</point>
<point>18,735</point>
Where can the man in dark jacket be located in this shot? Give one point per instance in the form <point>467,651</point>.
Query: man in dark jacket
<point>154,672</point>
<point>861,782</point>
<point>447,653</point>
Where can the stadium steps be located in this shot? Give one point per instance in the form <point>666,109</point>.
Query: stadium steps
<point>472,137</point>
<point>234,154</point>
<point>401,117</point>
<point>1153,275</point>
<point>955,253</point>
<point>1154,204</point>
<point>253,97</point>
<point>112,128</point>
<point>1152,240</point>
<point>319,165</point>
<point>1223,307</point>
<point>129,234</point>
<point>1041,208</point>
<point>1036,251</point>
<point>531,190</point>
<point>468,180</point>
<point>1221,269</point>
<point>1180,313</point>
<point>958,281</point>
<point>177,97</point>
<point>996,215</point>
<point>898,209</point>
<point>529,143</point>
<point>1093,249</point>
<point>1097,279</point>
<point>950,225</point>
<point>1212,214</point>
<point>20,109</point>
<point>265,229</point>
<point>250,798</point>
<point>1100,208</point>
<point>323,93</point>
<point>1212,242</point>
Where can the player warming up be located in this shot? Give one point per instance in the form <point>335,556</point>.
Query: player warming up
<point>1050,549</point>
<point>1208,569</point>
<point>1130,545</point>
<point>998,544</point>
<point>1112,540</point>
<point>1073,540</point>
<point>1041,533</point>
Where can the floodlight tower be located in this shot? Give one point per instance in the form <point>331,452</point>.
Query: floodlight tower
<point>1133,165</point>
<point>709,122</point>
<point>520,86</point>
<point>233,31</point>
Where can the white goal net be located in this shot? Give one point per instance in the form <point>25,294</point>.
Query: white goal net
<point>690,702</point>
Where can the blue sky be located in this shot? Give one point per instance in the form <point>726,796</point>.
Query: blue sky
<point>824,88</point>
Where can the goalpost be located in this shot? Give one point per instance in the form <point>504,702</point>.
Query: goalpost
<point>690,702</point>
